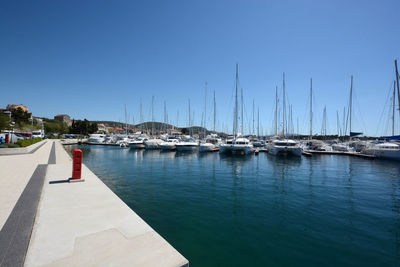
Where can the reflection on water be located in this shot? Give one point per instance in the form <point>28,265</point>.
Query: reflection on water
<point>319,210</point>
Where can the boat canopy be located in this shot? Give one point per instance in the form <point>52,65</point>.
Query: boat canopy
<point>355,134</point>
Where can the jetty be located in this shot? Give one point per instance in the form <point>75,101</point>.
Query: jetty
<point>355,154</point>
<point>46,220</point>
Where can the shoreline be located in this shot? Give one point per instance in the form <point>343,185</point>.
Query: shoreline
<point>77,223</point>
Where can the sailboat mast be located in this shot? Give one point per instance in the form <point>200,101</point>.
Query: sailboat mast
<point>152,115</point>
<point>311,113</point>
<point>241,116</point>
<point>126,122</point>
<point>351,102</point>
<point>394,104</point>
<point>276,110</point>
<point>344,123</point>
<point>236,102</point>
<point>323,131</point>
<point>284,105</point>
<point>205,108</point>
<point>337,123</point>
<point>189,117</point>
<point>215,112</point>
<point>141,116</point>
<point>258,123</point>
<point>165,116</point>
<point>397,81</point>
<point>253,118</point>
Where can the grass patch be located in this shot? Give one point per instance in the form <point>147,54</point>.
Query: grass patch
<point>28,142</point>
<point>9,146</point>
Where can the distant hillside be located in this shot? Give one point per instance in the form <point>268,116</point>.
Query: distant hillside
<point>158,126</point>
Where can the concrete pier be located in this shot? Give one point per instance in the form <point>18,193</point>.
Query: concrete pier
<point>75,224</point>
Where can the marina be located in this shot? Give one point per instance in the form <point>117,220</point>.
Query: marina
<point>274,210</point>
<point>199,133</point>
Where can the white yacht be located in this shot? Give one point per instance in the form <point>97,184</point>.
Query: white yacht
<point>188,144</point>
<point>315,145</point>
<point>238,145</point>
<point>341,147</point>
<point>123,140</point>
<point>207,147</point>
<point>153,143</point>
<point>284,147</point>
<point>96,138</point>
<point>384,150</point>
<point>138,143</point>
<point>169,144</point>
<point>211,143</point>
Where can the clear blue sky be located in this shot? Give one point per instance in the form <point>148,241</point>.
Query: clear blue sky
<point>90,58</point>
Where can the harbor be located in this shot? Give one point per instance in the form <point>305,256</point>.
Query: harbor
<point>199,133</point>
<point>274,210</point>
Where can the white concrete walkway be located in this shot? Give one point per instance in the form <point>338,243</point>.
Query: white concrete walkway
<point>84,223</point>
<point>15,172</point>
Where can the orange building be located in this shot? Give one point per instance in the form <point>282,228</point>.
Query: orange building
<point>15,106</point>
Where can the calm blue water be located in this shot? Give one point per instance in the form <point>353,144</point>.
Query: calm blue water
<point>261,210</point>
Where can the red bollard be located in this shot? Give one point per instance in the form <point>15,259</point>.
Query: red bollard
<point>77,166</point>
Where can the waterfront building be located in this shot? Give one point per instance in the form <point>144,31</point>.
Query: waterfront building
<point>12,107</point>
<point>63,118</point>
<point>102,128</point>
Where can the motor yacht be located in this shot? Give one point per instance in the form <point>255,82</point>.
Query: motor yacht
<point>96,138</point>
<point>138,143</point>
<point>188,144</point>
<point>384,150</point>
<point>169,144</point>
<point>240,145</point>
<point>211,143</point>
<point>316,145</point>
<point>285,147</point>
<point>153,143</point>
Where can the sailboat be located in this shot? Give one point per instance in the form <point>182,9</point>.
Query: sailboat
<point>279,145</point>
<point>211,141</point>
<point>153,143</point>
<point>344,147</point>
<point>239,144</point>
<point>388,150</point>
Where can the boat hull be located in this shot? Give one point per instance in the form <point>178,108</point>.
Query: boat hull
<point>236,149</point>
<point>168,147</point>
<point>207,147</point>
<point>137,146</point>
<point>384,153</point>
<point>187,148</point>
<point>285,151</point>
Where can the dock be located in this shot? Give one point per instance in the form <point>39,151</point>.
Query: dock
<point>45,220</point>
<point>355,154</point>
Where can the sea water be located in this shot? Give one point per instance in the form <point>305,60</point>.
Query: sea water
<point>260,210</point>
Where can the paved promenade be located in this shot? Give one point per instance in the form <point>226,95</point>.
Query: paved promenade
<point>76,224</point>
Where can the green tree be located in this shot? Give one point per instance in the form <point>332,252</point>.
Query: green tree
<point>83,127</point>
<point>4,121</point>
<point>20,117</point>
